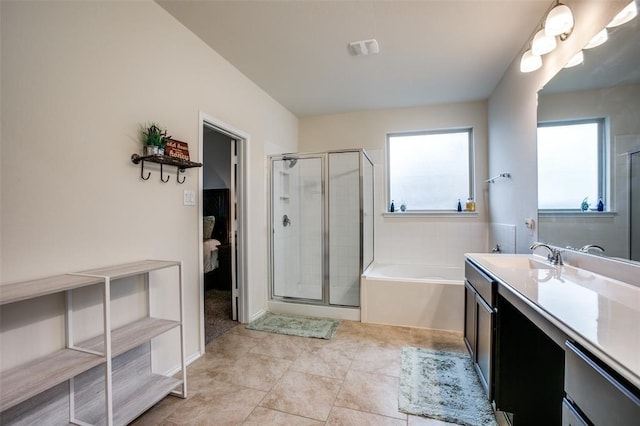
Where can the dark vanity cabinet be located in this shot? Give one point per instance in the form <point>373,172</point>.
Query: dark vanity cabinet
<point>479,322</point>
<point>531,368</point>
<point>595,394</point>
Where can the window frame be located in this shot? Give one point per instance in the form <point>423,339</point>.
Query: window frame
<point>602,159</point>
<point>470,164</point>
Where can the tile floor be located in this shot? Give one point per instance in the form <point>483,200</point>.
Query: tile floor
<point>254,378</point>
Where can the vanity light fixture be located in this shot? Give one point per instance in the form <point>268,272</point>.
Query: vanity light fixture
<point>625,15</point>
<point>543,43</point>
<point>559,21</point>
<point>576,59</point>
<point>530,62</point>
<point>598,39</point>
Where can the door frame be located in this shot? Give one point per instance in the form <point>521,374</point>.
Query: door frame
<point>241,186</point>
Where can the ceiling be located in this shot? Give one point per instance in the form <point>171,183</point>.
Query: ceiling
<point>431,52</point>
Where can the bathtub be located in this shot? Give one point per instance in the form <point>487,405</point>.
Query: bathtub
<point>420,296</point>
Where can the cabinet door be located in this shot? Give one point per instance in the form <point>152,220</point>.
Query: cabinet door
<point>571,416</point>
<point>601,395</point>
<point>470,319</point>
<point>484,341</point>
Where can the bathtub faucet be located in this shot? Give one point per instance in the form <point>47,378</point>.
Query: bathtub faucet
<point>555,255</point>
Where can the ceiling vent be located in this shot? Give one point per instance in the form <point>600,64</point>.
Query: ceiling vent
<point>364,47</point>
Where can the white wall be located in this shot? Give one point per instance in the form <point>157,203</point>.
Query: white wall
<point>513,122</point>
<point>78,78</point>
<point>429,240</point>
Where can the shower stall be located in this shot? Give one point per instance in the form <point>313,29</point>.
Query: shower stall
<point>321,220</point>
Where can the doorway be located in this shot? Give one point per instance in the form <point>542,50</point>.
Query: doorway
<point>221,195</point>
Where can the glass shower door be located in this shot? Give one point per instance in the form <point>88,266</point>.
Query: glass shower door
<point>297,224</point>
<point>634,206</point>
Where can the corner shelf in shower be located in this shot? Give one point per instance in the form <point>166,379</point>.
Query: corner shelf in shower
<point>179,163</point>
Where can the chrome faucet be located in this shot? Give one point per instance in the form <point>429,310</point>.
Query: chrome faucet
<point>588,247</point>
<point>555,255</point>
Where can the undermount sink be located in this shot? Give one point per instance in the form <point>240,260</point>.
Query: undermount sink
<point>516,262</point>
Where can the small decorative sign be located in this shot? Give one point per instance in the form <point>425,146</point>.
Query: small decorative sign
<point>177,149</point>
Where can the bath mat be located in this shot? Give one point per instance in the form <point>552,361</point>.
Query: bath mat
<point>319,328</point>
<point>444,386</point>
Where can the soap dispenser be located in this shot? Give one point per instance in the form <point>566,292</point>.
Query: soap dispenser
<point>471,205</point>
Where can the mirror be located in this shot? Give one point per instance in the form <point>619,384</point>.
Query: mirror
<point>606,85</point>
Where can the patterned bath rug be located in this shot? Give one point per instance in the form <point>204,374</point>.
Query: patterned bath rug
<point>320,328</point>
<point>444,386</point>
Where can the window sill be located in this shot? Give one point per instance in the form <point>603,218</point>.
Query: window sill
<point>575,213</point>
<point>435,213</point>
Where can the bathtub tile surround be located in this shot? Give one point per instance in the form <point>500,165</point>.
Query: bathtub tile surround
<point>350,379</point>
<point>503,234</point>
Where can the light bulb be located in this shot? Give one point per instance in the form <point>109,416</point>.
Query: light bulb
<point>530,62</point>
<point>598,39</point>
<point>625,15</point>
<point>559,21</point>
<point>542,43</point>
<point>577,59</point>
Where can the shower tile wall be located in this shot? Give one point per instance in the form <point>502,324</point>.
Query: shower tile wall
<point>344,228</point>
<point>310,212</point>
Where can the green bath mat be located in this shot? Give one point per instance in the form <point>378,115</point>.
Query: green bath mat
<point>320,328</point>
<point>444,386</point>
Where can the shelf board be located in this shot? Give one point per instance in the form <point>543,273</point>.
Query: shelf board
<point>24,290</point>
<point>131,269</point>
<point>131,335</point>
<point>29,379</point>
<point>131,398</point>
<point>165,159</point>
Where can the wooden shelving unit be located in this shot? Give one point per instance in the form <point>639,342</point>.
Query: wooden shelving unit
<point>109,377</point>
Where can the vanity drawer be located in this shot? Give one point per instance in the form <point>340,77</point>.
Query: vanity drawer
<point>602,397</point>
<point>483,284</point>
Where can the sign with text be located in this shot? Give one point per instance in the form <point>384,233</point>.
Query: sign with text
<point>177,149</point>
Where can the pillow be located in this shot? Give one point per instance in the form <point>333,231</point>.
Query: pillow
<point>208,223</point>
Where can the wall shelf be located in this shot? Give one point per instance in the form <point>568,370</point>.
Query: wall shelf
<point>178,163</point>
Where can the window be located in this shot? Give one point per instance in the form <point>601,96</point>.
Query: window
<point>431,170</point>
<point>571,164</point>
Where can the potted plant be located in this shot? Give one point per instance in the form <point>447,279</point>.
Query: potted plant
<point>155,139</point>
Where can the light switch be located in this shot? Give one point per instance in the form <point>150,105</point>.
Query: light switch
<point>189,197</point>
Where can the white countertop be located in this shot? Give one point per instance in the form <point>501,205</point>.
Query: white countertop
<point>600,313</point>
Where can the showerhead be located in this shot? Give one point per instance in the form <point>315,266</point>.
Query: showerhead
<point>292,160</point>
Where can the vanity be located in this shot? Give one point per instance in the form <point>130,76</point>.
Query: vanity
<point>554,344</point>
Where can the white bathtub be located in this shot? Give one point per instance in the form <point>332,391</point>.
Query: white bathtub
<point>421,296</point>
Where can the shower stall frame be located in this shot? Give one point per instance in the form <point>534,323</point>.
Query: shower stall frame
<point>325,173</point>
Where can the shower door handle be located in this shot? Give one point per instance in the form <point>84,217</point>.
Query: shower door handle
<point>286,221</point>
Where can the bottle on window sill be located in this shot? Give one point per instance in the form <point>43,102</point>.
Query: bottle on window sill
<point>392,208</point>
<point>600,205</point>
<point>471,205</point>
<point>459,205</point>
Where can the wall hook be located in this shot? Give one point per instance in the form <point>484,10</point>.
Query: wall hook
<point>178,176</point>
<point>162,175</point>
<point>142,172</point>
